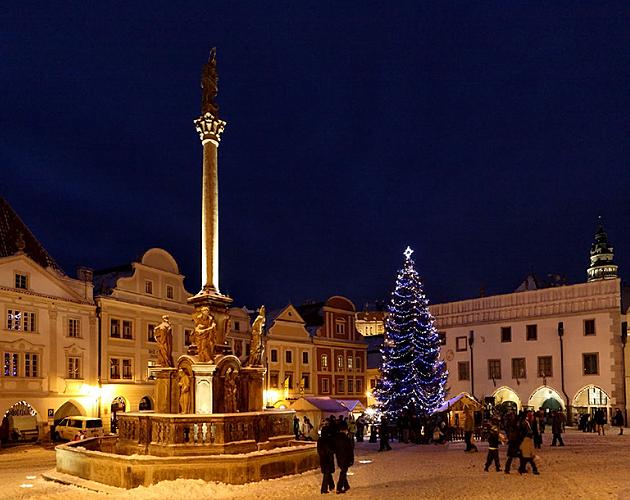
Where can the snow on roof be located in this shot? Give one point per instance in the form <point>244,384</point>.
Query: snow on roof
<point>352,404</point>
<point>459,402</point>
<point>324,404</point>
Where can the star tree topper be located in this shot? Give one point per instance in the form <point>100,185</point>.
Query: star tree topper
<point>407,253</point>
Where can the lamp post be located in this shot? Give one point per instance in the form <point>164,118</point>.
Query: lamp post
<point>471,341</point>
<point>561,337</point>
<point>624,340</point>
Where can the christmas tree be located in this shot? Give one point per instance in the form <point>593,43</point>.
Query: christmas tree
<point>413,377</point>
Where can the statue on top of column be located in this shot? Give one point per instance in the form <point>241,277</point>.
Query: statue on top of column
<point>210,86</point>
<point>163,334</point>
<point>257,348</point>
<point>205,334</point>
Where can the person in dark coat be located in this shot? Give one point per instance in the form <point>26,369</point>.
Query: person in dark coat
<point>360,428</point>
<point>618,420</point>
<point>296,427</point>
<point>493,447</point>
<point>326,452</point>
<point>383,432</point>
<point>600,421</point>
<point>344,451</point>
<point>514,442</point>
<point>557,422</point>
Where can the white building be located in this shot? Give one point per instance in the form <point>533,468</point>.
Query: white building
<point>48,334</point>
<point>131,301</point>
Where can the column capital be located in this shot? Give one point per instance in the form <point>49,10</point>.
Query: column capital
<point>209,128</point>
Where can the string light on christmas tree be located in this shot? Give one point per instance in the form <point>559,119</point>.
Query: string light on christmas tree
<point>413,377</point>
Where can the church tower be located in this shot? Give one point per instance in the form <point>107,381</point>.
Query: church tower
<point>602,265</point>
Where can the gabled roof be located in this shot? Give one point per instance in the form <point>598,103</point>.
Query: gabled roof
<point>106,280</point>
<point>15,236</point>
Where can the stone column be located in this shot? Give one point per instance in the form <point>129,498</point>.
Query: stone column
<point>210,129</point>
<point>203,375</point>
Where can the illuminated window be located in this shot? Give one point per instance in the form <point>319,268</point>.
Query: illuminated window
<point>324,361</point>
<point>126,369</point>
<point>114,368</point>
<point>349,362</point>
<point>74,327</point>
<point>151,364</point>
<point>21,281</point>
<point>20,320</point>
<point>120,368</point>
<point>273,379</point>
<point>11,364</point>
<point>339,362</point>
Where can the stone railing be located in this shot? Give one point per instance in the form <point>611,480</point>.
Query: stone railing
<point>166,435</point>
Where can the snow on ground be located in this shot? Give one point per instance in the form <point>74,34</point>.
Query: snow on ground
<point>589,466</point>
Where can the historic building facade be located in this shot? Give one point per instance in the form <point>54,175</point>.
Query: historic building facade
<point>48,333</point>
<point>290,357</point>
<point>131,301</point>
<point>340,351</point>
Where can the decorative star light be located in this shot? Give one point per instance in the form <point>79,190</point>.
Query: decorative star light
<point>408,252</point>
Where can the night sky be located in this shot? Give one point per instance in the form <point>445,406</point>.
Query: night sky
<point>486,135</point>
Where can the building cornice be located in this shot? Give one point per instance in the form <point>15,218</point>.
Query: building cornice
<point>20,291</point>
<point>565,300</point>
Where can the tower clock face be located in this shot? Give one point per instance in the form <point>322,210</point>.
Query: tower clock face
<point>450,355</point>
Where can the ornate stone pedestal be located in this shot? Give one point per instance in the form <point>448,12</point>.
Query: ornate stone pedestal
<point>203,376</point>
<point>166,390</point>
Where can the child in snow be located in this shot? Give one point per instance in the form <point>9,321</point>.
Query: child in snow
<point>493,446</point>
<point>527,455</point>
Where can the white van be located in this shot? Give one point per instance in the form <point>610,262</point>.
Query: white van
<point>70,428</point>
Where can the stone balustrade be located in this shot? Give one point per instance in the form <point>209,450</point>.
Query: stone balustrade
<point>162,434</point>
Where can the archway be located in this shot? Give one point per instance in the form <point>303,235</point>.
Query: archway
<point>145,404</point>
<point>546,398</point>
<point>119,405</point>
<point>19,423</point>
<point>68,409</point>
<point>505,399</point>
<point>590,399</point>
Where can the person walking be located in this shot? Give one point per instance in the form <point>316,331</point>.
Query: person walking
<point>514,443</point>
<point>344,451</point>
<point>383,432</point>
<point>557,428</point>
<point>618,420</point>
<point>527,455</point>
<point>493,446</point>
<point>296,427</point>
<point>360,428</point>
<point>326,452</point>
<point>600,421</point>
<point>469,427</point>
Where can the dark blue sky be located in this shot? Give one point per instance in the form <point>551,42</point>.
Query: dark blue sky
<point>486,135</point>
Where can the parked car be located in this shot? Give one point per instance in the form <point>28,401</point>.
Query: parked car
<point>70,428</point>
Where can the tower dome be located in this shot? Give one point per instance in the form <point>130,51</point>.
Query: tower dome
<point>602,265</point>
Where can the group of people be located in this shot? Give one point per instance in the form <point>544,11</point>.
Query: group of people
<point>596,422</point>
<point>335,441</point>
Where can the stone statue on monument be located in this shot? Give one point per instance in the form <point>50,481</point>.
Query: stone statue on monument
<point>205,334</point>
<point>184,391</point>
<point>210,86</point>
<point>230,390</point>
<point>163,334</point>
<point>257,348</point>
